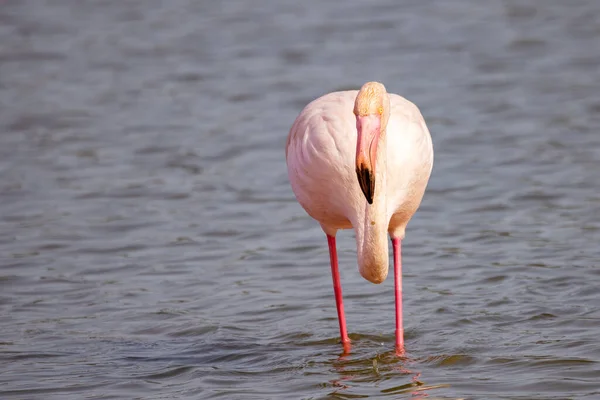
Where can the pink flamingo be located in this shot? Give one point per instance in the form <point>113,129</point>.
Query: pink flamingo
<point>381,139</point>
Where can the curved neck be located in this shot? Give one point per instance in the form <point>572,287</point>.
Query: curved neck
<point>371,226</point>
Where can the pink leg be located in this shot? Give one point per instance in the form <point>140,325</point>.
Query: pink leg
<point>337,289</point>
<point>398,292</point>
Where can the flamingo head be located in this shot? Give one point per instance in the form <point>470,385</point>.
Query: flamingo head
<point>372,111</point>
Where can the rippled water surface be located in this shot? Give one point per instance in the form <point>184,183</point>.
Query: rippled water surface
<point>151,247</point>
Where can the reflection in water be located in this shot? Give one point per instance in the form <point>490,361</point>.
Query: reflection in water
<point>378,370</point>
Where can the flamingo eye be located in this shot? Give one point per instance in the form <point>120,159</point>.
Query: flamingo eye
<point>380,110</point>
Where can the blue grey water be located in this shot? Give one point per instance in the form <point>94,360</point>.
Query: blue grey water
<point>151,246</point>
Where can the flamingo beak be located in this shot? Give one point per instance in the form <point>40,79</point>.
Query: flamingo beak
<point>368,128</point>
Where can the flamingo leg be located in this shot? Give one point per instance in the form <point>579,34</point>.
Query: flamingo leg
<point>398,292</point>
<point>337,289</point>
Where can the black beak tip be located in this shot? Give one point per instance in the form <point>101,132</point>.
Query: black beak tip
<point>366,182</point>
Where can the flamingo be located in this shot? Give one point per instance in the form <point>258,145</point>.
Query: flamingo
<point>361,159</point>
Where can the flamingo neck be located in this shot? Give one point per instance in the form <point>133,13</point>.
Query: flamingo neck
<point>372,225</point>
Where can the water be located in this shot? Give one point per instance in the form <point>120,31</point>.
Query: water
<point>151,246</point>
